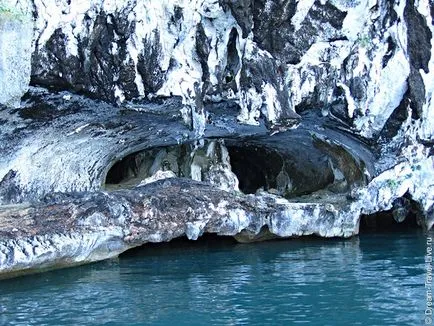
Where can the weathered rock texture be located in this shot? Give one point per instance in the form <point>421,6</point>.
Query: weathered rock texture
<point>319,111</point>
<point>102,225</point>
<point>60,150</point>
<point>16,32</point>
<point>360,60</point>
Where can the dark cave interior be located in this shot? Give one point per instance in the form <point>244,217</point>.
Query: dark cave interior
<point>405,214</point>
<point>122,170</point>
<point>256,166</point>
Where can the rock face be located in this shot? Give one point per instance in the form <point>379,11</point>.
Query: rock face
<point>16,32</point>
<point>361,60</point>
<point>315,179</point>
<point>102,225</point>
<point>291,118</point>
<point>193,49</point>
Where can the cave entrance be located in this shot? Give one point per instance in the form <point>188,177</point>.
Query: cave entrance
<point>158,162</point>
<point>255,167</point>
<point>385,222</point>
<point>122,171</point>
<point>404,215</point>
<point>207,163</point>
<point>239,166</point>
<point>287,174</point>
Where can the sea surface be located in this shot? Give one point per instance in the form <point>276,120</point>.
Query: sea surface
<point>373,279</point>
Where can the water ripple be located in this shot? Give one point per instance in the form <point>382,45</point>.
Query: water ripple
<point>371,280</point>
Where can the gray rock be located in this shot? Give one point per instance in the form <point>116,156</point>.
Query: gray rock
<point>70,229</point>
<point>320,112</point>
<point>16,32</point>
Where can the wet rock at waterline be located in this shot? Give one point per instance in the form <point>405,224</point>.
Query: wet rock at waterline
<point>70,229</point>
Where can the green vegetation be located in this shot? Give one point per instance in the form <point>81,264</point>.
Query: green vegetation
<point>364,40</point>
<point>416,167</point>
<point>10,12</point>
<point>392,184</point>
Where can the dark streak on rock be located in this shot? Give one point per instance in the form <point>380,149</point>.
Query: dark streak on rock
<point>419,50</point>
<point>148,64</point>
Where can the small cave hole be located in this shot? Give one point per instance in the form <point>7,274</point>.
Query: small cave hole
<point>228,78</point>
<point>255,167</point>
<point>206,242</point>
<point>384,221</point>
<point>405,215</point>
<point>122,170</point>
<point>233,61</point>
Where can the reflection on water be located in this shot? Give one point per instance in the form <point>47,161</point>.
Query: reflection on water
<point>370,280</point>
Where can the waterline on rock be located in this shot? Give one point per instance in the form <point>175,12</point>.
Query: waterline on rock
<point>380,276</point>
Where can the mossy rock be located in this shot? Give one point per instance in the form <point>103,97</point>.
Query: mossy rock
<point>8,13</point>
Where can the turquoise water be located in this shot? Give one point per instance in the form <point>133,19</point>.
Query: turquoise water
<point>374,279</point>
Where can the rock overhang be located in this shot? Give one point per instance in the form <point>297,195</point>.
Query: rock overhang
<point>81,141</point>
<point>358,75</point>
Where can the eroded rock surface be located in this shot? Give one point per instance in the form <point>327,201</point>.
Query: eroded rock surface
<point>361,60</point>
<point>80,140</point>
<point>60,150</point>
<point>16,33</point>
<point>101,225</point>
<point>291,118</point>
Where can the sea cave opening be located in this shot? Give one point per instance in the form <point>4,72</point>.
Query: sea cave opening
<point>255,168</point>
<point>231,165</point>
<point>404,215</point>
<point>285,173</point>
<point>208,241</point>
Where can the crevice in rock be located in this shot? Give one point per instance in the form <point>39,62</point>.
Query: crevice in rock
<point>205,242</point>
<point>419,52</point>
<point>397,118</point>
<point>405,214</point>
<point>203,47</point>
<point>148,63</point>
<point>419,37</point>
<point>233,61</point>
<point>391,49</point>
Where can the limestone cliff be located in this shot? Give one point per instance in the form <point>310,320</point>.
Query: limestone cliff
<point>16,33</point>
<point>324,107</point>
